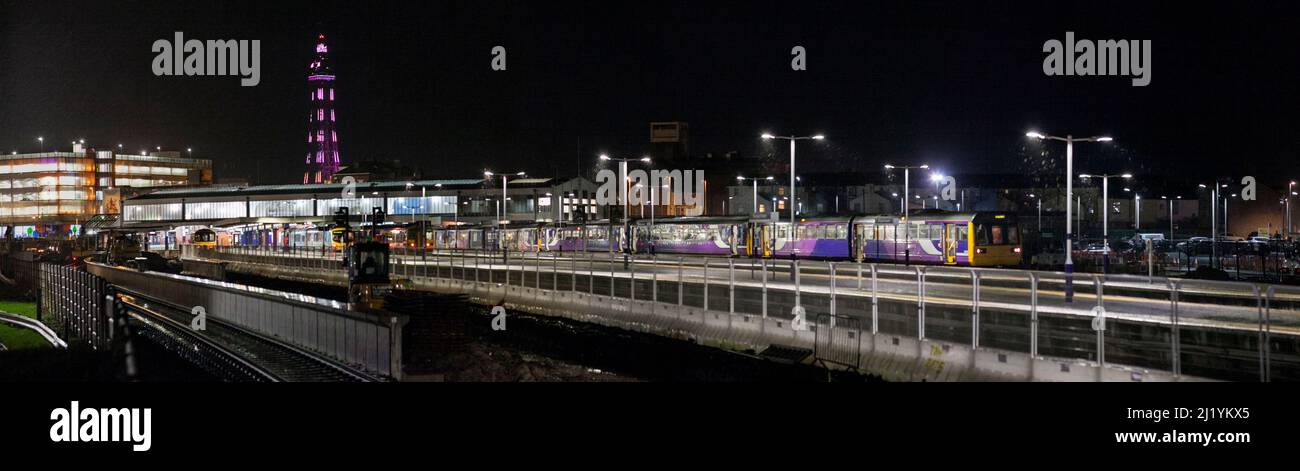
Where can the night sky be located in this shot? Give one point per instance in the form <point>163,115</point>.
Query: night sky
<point>952,84</point>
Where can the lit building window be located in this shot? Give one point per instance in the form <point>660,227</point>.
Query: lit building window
<point>320,93</point>
<point>331,94</point>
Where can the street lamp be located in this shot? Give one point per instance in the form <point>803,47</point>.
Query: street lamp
<point>907,174</point>
<point>755,180</point>
<point>1039,200</point>
<point>936,177</point>
<point>409,206</point>
<point>1105,213</point>
<point>501,211</point>
<point>41,140</point>
<point>1290,224</point>
<point>1069,192</point>
<point>792,139</point>
<point>1137,211</point>
<point>1171,214</point>
<point>1214,221</point>
<point>622,176</point>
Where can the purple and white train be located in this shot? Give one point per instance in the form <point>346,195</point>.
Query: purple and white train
<point>929,236</point>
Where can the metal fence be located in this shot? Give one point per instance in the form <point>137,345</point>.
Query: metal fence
<point>839,340</point>
<point>78,305</point>
<point>25,274</point>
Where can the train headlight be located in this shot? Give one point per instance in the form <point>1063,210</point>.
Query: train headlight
<point>981,250</point>
<point>1016,250</point>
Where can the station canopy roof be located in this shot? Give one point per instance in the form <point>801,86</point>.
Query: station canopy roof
<point>334,188</point>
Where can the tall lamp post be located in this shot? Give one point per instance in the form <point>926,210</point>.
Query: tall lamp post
<point>907,175</point>
<point>1171,214</point>
<point>622,176</point>
<point>936,177</point>
<point>1137,211</point>
<point>1039,203</point>
<point>1105,213</point>
<point>1290,223</point>
<point>501,209</point>
<point>792,139</point>
<point>1214,222</point>
<point>755,180</point>
<point>1069,192</point>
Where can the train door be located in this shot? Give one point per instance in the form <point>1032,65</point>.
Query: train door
<point>763,240</point>
<point>950,244</point>
<point>749,240</point>
<point>859,244</point>
<point>734,237</point>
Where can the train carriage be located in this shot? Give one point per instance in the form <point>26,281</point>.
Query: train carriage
<point>206,238</point>
<point>691,235</point>
<point>928,237</point>
<point>936,237</point>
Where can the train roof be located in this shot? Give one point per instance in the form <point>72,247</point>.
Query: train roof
<point>694,220</point>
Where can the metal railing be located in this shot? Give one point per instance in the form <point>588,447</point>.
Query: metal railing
<point>364,341</point>
<point>1194,328</point>
<point>33,325</point>
<point>77,303</point>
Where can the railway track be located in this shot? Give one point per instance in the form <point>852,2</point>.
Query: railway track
<point>241,355</point>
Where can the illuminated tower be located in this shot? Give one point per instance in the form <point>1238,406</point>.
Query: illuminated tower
<point>322,139</point>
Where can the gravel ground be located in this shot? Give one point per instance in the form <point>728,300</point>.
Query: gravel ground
<point>485,361</point>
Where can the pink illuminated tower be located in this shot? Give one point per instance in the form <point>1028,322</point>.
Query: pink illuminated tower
<point>322,139</point>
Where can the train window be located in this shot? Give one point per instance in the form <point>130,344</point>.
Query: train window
<point>981,234</point>
<point>1013,235</point>
<point>997,234</point>
<point>962,232</point>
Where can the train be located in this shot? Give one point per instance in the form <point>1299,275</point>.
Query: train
<point>206,238</point>
<point>979,239</point>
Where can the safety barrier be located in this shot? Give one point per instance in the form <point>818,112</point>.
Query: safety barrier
<point>366,340</point>
<point>77,303</point>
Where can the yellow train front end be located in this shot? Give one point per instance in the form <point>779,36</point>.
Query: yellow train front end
<point>994,239</point>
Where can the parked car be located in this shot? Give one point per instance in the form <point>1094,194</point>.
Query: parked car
<point>1194,245</point>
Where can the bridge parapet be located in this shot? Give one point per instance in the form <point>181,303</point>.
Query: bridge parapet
<point>371,341</point>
